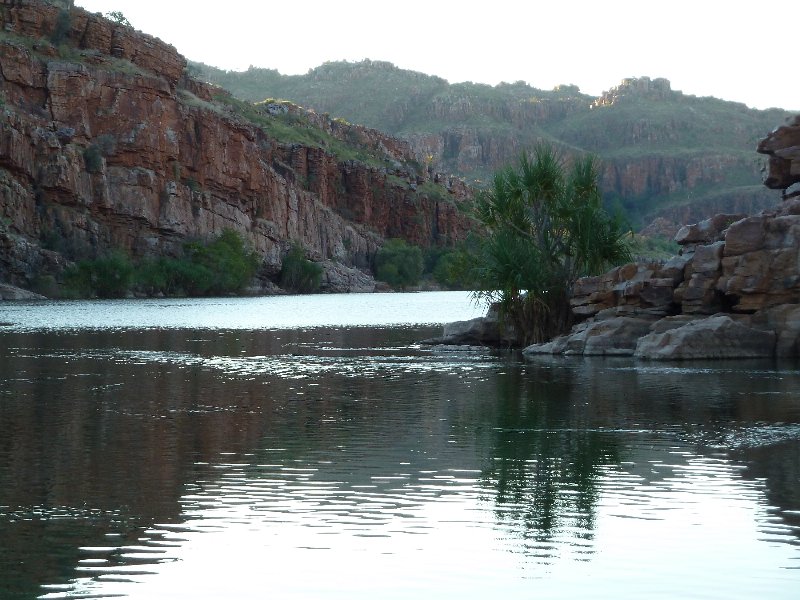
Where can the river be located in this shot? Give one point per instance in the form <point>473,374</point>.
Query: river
<point>309,447</point>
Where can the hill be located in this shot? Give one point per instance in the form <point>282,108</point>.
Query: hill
<point>664,153</point>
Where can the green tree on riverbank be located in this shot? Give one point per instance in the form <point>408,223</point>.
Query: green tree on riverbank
<point>399,264</point>
<point>545,227</point>
<point>221,266</point>
<point>298,274</point>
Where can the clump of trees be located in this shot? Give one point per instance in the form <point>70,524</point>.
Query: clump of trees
<point>399,264</point>
<point>108,276</point>
<point>298,274</point>
<point>545,227</point>
<point>221,266</point>
<point>117,17</point>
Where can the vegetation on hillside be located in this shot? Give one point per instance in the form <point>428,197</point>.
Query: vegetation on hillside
<point>637,124</point>
<point>546,226</point>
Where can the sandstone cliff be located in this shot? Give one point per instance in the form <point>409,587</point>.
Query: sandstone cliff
<point>106,142</point>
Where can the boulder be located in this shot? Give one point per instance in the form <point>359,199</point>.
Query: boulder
<point>555,346</point>
<point>784,320</point>
<point>745,236</point>
<point>672,322</point>
<point>615,336</point>
<point>675,268</point>
<point>482,331</point>
<point>697,295</point>
<point>783,148</point>
<point>718,336</point>
<point>707,258</point>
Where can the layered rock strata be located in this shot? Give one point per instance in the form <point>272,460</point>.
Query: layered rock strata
<point>105,142</point>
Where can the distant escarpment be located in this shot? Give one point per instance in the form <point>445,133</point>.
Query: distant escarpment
<point>665,155</point>
<point>107,143</point>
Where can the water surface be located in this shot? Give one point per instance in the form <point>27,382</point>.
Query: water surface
<point>218,449</point>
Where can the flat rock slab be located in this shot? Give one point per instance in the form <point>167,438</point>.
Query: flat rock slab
<point>9,292</point>
<point>718,336</point>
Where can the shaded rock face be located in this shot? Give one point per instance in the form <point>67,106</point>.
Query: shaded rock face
<point>733,292</point>
<point>115,147</point>
<point>338,279</point>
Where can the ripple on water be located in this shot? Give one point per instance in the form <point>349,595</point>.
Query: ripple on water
<point>452,493</point>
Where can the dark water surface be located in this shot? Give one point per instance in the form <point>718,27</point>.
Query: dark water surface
<point>228,449</point>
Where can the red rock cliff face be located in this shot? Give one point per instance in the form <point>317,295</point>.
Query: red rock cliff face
<point>108,144</point>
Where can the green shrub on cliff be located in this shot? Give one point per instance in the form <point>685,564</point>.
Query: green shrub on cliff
<point>62,27</point>
<point>93,158</point>
<point>119,18</point>
<point>399,264</point>
<point>298,274</point>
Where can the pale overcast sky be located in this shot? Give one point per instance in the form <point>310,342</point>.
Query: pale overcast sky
<point>731,49</point>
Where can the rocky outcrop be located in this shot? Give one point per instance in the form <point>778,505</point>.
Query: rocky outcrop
<point>338,279</point>
<point>733,292</point>
<point>481,331</point>
<point>106,142</point>
<point>783,148</point>
<point>719,336</point>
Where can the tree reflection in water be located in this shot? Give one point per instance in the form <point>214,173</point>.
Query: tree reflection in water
<point>546,473</point>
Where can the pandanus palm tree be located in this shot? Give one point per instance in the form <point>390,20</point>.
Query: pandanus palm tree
<point>545,227</point>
